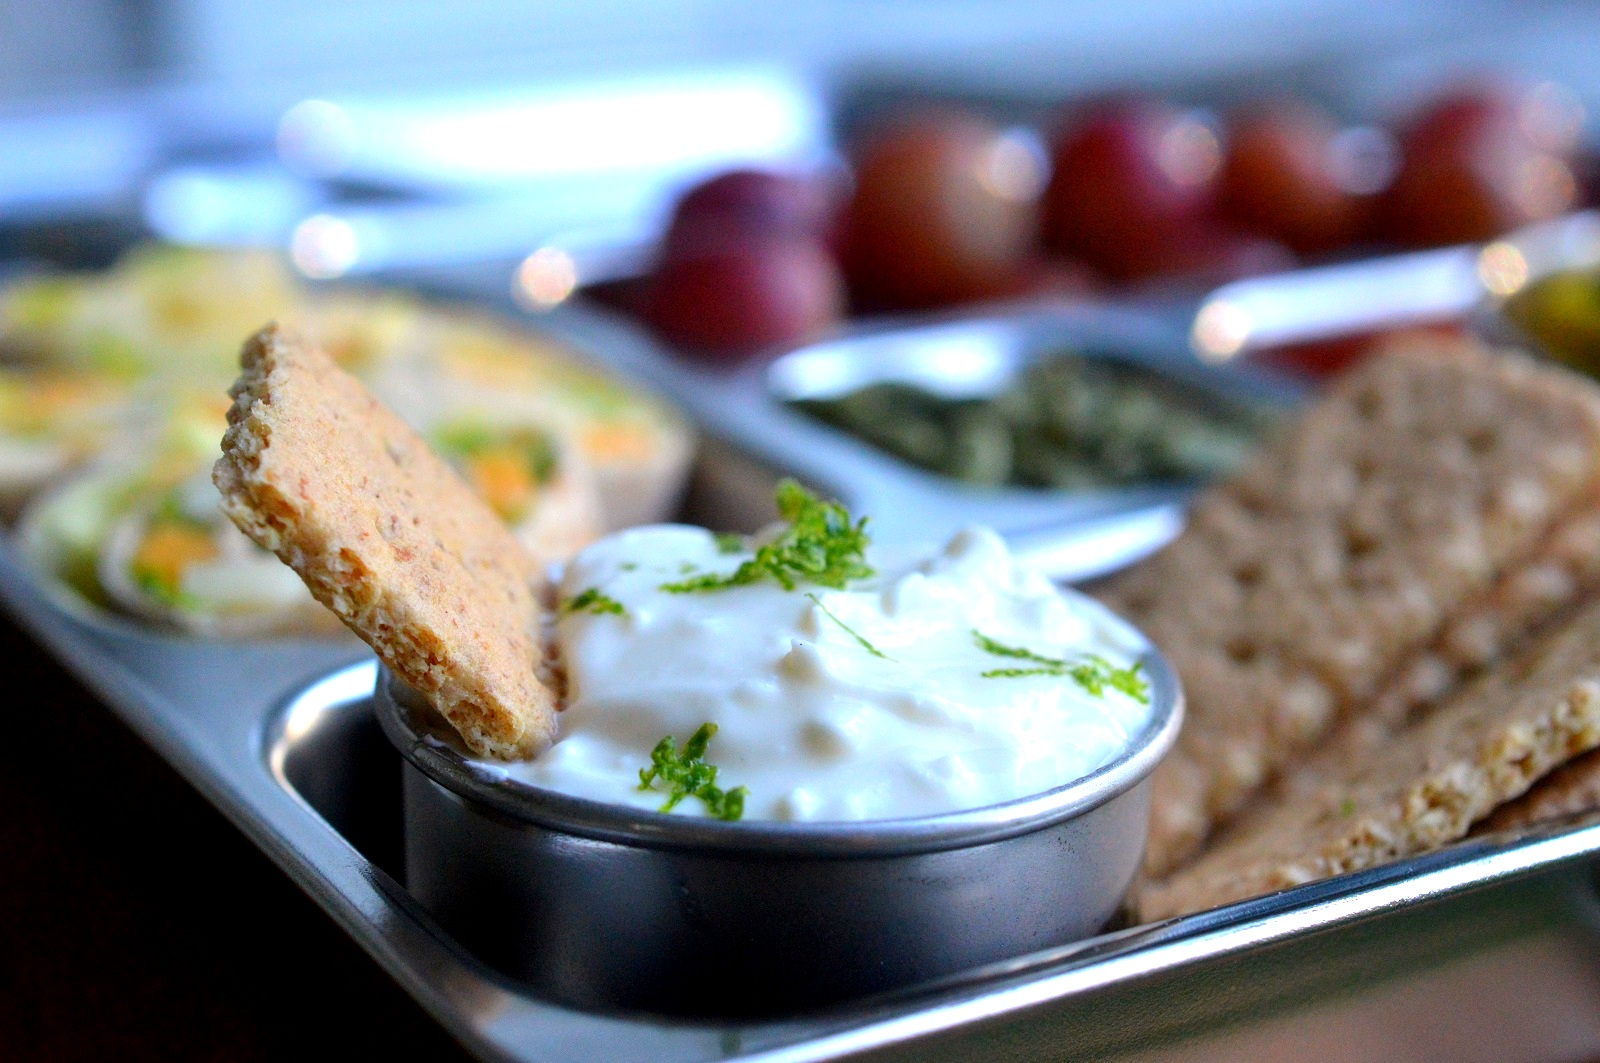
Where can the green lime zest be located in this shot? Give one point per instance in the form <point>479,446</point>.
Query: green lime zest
<point>1093,672</point>
<point>591,600</point>
<point>821,545</point>
<point>1018,673</point>
<point>852,632</point>
<point>1000,649</point>
<point>686,774</point>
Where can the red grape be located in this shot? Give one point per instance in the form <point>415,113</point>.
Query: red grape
<point>725,301</point>
<point>1204,252</point>
<point>1040,278</point>
<point>1125,174</point>
<point>751,203</point>
<point>1283,175</point>
<point>944,203</point>
<point>1480,160</point>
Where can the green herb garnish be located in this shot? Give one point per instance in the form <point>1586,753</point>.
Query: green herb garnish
<point>729,543</point>
<point>821,545</point>
<point>1093,673</point>
<point>592,600</point>
<point>688,775</point>
<point>1347,807</point>
<point>853,633</point>
<point>1000,649</point>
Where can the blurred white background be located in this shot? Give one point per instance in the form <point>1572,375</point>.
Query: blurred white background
<point>64,47</point>
<point>577,120</point>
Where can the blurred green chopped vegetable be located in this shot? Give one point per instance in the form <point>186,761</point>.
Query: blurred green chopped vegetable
<point>1068,423</point>
<point>1562,313</point>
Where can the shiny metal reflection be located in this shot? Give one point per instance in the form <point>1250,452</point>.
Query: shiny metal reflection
<point>545,279</point>
<point>324,247</point>
<point>1221,330</point>
<point>1502,268</point>
<point>317,137</point>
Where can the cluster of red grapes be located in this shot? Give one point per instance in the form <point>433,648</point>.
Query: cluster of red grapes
<point>945,206</point>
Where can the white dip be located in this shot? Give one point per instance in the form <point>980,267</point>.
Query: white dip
<point>810,721</point>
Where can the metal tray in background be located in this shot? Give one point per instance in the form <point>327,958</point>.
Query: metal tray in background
<point>1071,535</point>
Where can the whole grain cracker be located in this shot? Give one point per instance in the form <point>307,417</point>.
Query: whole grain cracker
<point>316,470</point>
<point>1563,571</point>
<point>1424,788</point>
<point>1569,790</point>
<point>1307,581</point>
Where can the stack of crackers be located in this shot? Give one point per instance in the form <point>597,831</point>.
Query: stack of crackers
<point>1383,625</point>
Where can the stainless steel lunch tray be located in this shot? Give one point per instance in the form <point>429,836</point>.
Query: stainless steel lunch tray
<point>1072,535</point>
<point>1432,958</point>
<point>1435,957</point>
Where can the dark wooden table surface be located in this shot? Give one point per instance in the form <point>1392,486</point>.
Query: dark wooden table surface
<point>137,923</point>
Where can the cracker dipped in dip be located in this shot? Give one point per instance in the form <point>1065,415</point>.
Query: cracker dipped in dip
<point>873,684</point>
<point>798,675</point>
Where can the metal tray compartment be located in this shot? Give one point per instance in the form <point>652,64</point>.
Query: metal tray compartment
<point>1434,958</point>
<point>1427,949</point>
<point>1072,535</point>
<point>604,907</point>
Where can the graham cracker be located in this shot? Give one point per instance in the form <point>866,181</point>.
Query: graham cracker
<point>384,534</point>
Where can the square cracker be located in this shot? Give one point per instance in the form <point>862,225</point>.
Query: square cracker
<point>1424,788</point>
<point>386,535</point>
<point>1301,586</point>
<point>1567,791</point>
<point>1563,571</point>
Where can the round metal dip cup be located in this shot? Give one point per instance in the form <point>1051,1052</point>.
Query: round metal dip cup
<point>608,906</point>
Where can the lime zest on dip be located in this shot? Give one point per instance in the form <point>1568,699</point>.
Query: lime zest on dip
<point>591,600</point>
<point>816,726</point>
<point>1093,673</point>
<point>852,632</point>
<point>821,545</point>
<point>688,775</point>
